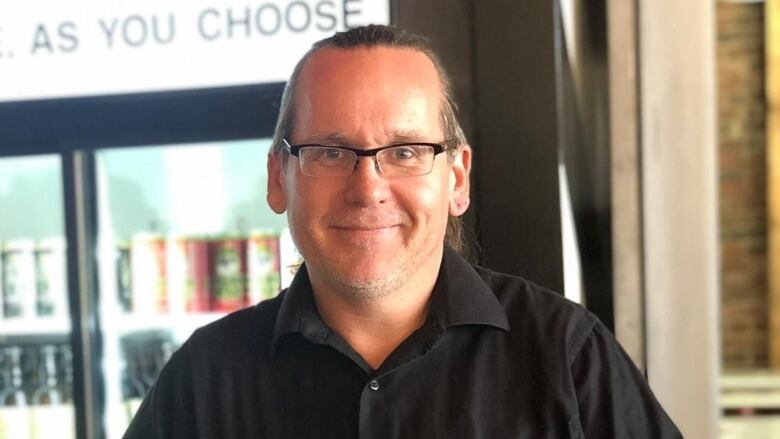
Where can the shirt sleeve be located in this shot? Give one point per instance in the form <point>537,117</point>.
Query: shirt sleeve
<point>614,398</point>
<point>167,411</point>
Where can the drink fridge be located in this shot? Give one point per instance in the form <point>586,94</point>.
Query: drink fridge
<point>184,237</point>
<point>36,352</point>
<point>181,236</point>
<point>127,221</point>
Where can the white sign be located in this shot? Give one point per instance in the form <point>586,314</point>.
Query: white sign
<point>61,48</point>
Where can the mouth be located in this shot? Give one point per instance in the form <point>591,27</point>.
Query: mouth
<point>364,235</point>
<point>363,228</point>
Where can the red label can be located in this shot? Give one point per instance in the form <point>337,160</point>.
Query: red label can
<point>264,266</point>
<point>189,284</point>
<point>198,293</point>
<point>228,273</point>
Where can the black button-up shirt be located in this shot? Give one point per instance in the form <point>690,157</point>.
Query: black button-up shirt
<point>497,357</point>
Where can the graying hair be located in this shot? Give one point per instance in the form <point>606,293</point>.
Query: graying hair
<point>380,36</point>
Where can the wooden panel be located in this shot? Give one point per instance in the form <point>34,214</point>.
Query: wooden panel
<point>679,208</point>
<point>773,173</point>
<point>626,220</point>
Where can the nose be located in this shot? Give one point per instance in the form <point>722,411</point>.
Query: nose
<point>366,186</point>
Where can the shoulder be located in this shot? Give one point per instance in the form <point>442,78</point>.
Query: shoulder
<point>539,315</point>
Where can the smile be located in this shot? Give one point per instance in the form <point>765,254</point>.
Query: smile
<point>357,228</point>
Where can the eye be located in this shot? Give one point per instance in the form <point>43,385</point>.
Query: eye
<point>402,153</point>
<point>332,154</point>
<point>325,154</point>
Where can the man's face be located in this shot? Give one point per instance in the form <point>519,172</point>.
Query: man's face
<point>366,233</point>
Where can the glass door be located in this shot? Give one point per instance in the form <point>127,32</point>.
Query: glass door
<point>184,237</point>
<point>36,356</point>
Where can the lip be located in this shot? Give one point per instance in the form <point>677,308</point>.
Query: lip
<point>361,228</point>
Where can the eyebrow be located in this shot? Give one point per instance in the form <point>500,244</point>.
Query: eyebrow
<point>342,139</point>
<point>327,138</point>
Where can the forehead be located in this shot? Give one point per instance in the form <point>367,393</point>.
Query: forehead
<point>396,88</point>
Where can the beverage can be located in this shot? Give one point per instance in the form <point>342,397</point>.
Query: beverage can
<point>189,283</point>
<point>198,297</point>
<point>176,264</point>
<point>147,264</point>
<point>65,371</point>
<point>228,273</point>
<point>14,407</point>
<point>19,297</point>
<point>124,275</point>
<point>52,416</point>
<point>291,258</point>
<point>264,263</point>
<point>2,283</point>
<point>51,285</point>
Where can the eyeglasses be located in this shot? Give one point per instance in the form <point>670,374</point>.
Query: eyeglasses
<point>398,160</point>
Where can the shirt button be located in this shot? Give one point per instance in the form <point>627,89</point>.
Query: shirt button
<point>373,385</point>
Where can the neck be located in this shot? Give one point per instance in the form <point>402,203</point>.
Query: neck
<point>374,326</point>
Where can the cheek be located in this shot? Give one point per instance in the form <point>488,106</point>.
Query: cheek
<point>305,208</point>
<point>309,199</point>
<point>430,200</point>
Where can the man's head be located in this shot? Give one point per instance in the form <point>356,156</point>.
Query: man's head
<point>363,89</point>
<point>368,37</point>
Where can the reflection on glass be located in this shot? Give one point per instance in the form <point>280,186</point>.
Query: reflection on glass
<point>36,367</point>
<point>185,236</point>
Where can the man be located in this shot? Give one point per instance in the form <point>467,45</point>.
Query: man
<point>386,332</point>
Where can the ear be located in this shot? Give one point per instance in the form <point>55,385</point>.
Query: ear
<point>459,181</point>
<point>277,193</point>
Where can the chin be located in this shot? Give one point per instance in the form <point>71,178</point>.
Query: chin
<point>371,281</point>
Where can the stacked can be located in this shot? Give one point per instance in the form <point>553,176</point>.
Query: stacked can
<point>51,288</point>
<point>124,272</point>
<point>18,277</point>
<point>148,279</point>
<point>32,278</point>
<point>229,273</point>
<point>291,258</point>
<point>2,278</point>
<point>264,265</point>
<point>189,277</point>
<point>195,274</point>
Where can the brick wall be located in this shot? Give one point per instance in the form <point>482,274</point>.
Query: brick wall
<point>743,208</point>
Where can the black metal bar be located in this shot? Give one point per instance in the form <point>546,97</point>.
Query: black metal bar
<point>517,140</point>
<point>585,150</point>
<point>80,226</point>
<point>60,125</point>
<point>394,12</point>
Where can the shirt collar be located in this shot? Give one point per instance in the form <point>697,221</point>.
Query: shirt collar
<point>297,313</point>
<point>460,297</point>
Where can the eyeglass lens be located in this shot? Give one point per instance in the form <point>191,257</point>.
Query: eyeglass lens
<point>402,160</point>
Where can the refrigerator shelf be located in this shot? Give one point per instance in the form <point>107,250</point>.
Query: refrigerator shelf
<point>129,323</point>
<point>34,326</point>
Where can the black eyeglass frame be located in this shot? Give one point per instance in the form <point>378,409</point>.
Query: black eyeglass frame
<point>438,148</point>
